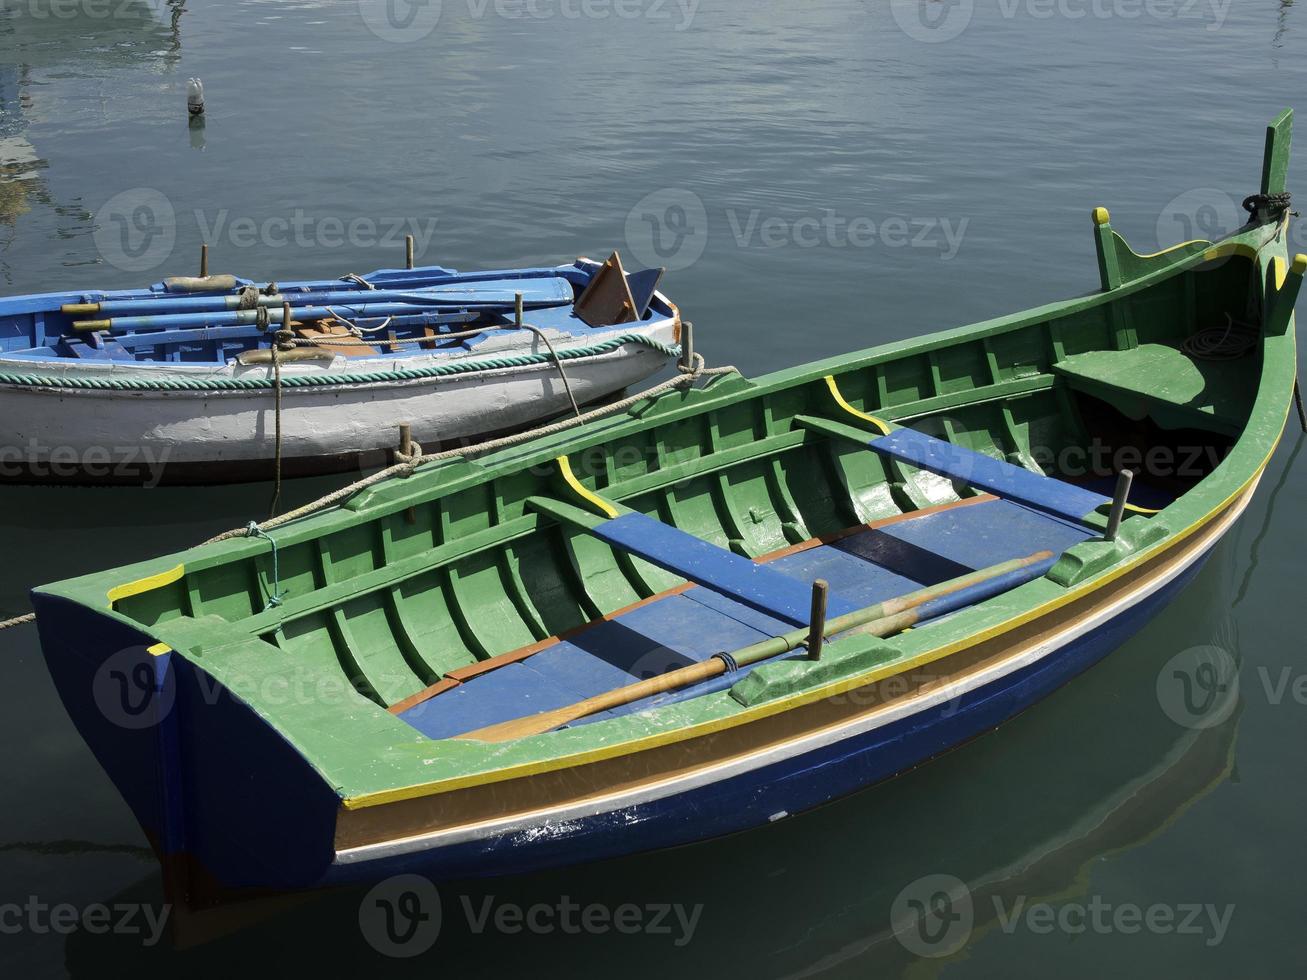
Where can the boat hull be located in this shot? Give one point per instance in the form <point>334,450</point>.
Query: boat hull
<point>219,735</point>
<point>52,434</point>
<point>839,764</point>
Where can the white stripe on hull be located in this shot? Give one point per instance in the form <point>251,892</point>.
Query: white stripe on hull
<point>914,705</point>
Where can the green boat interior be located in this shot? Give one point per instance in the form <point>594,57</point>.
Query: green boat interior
<point>493,589</point>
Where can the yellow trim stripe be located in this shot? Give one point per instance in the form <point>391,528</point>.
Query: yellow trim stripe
<point>147,584</point>
<point>1228,249</point>
<point>565,467</point>
<point>158,650</point>
<point>842,403</point>
<point>799,699</point>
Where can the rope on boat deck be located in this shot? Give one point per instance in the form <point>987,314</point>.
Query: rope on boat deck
<point>406,465</point>
<point>456,367</point>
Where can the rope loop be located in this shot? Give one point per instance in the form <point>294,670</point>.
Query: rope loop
<point>410,461</point>
<point>275,597</point>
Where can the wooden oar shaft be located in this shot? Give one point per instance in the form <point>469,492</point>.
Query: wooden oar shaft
<point>766,649</point>
<point>882,619</point>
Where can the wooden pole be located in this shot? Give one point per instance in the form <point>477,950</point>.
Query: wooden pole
<point>817,621</point>
<point>687,345</point>
<point>518,315</point>
<point>1119,499</point>
<point>204,261</point>
<point>408,251</point>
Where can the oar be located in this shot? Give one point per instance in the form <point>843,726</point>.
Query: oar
<point>534,293</point>
<point>181,321</point>
<point>883,619</point>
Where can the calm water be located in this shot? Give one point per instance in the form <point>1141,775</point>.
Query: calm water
<point>820,176</point>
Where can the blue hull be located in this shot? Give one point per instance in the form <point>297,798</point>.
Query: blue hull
<point>798,784</point>
<point>191,778</point>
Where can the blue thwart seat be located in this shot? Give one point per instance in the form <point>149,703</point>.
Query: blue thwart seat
<point>676,630</point>
<point>703,563</point>
<point>983,472</point>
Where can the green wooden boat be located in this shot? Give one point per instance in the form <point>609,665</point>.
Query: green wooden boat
<point>728,605</point>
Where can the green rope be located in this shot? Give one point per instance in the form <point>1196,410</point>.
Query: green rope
<point>319,380</point>
<point>276,596</point>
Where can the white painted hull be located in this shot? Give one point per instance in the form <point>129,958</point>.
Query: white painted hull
<point>65,433</point>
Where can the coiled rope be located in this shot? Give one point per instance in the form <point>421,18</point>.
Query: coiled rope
<point>1227,343</point>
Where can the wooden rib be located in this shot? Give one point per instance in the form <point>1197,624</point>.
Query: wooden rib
<point>522,653</point>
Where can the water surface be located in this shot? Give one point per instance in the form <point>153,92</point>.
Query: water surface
<point>819,177</point>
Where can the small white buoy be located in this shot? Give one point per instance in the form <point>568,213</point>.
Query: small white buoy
<point>194,96</point>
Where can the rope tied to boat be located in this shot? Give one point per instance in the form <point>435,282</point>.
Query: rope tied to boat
<point>17,621</point>
<point>275,596</point>
<point>686,376</point>
<point>411,459</point>
<point>1275,205</point>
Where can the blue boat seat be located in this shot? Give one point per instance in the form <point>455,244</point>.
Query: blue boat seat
<point>757,586</point>
<point>983,472</point>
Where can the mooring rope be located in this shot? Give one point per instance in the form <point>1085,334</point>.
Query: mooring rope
<point>567,385</point>
<point>405,465</point>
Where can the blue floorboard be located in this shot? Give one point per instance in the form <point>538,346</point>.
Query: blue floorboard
<point>677,630</point>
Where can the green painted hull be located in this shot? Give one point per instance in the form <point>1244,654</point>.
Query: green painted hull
<point>418,582</point>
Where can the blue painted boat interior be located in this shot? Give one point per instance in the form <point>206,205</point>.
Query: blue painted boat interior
<point>33,328</point>
<point>677,629</point>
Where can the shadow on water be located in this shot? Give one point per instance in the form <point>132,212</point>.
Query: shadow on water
<point>1023,812</point>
